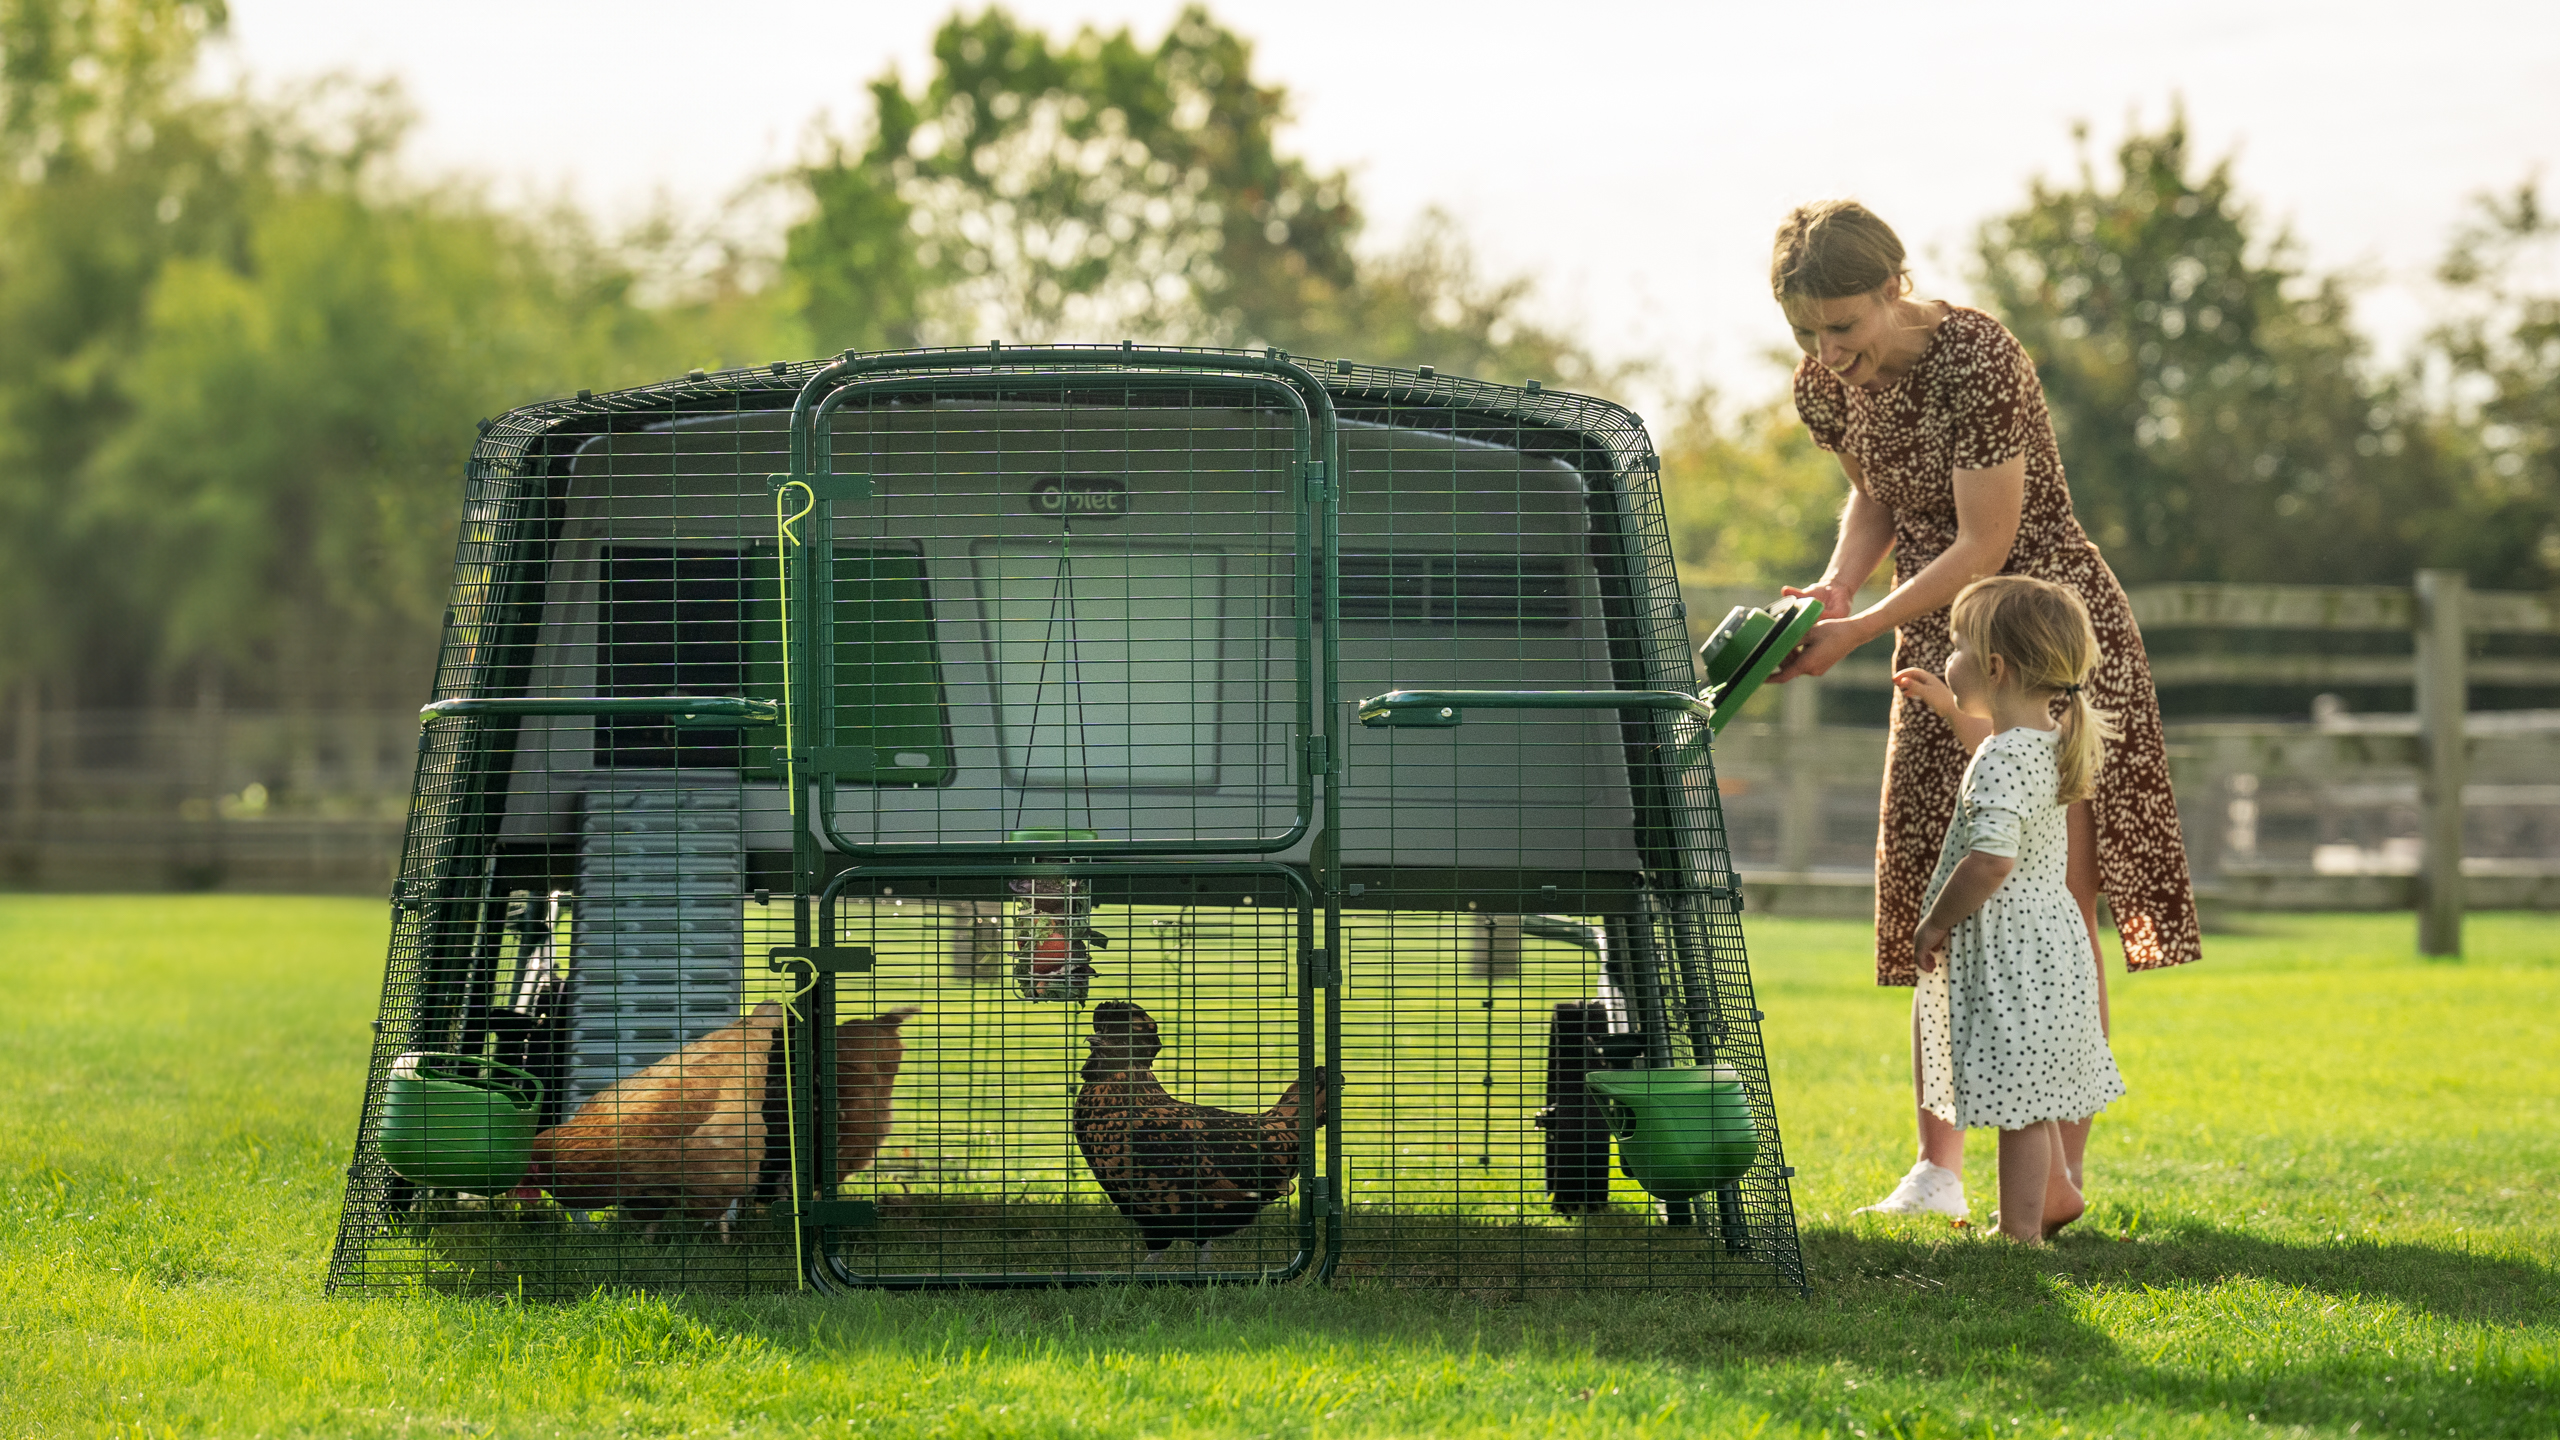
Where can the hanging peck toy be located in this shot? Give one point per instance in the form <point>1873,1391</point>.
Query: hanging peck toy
<point>1052,932</point>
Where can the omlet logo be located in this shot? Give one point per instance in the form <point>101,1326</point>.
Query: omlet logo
<point>1080,497</point>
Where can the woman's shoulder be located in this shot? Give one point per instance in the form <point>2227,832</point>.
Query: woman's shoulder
<point>1972,337</point>
<point>1822,402</point>
<point>1814,380</point>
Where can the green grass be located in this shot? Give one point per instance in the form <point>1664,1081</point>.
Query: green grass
<point>2326,1208</point>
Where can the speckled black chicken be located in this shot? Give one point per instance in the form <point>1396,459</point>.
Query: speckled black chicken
<point>1180,1171</point>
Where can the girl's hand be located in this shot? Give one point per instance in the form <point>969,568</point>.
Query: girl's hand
<point>1925,687</point>
<point>1926,942</point>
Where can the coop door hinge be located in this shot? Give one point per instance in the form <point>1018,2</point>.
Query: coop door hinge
<point>825,959</point>
<point>1319,752</point>
<point>841,1214</point>
<point>1320,974</point>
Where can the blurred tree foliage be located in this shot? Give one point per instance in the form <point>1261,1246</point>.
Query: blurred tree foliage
<point>2217,413</point>
<point>245,350</point>
<point>246,356</point>
<point>2501,351</point>
<point>1099,188</point>
<point>1751,500</point>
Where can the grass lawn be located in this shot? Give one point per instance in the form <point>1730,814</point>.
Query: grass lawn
<point>2327,1208</point>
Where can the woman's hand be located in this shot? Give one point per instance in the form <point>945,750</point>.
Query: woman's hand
<point>1825,645</point>
<point>1926,942</point>
<point>1836,596</point>
<point>1925,687</point>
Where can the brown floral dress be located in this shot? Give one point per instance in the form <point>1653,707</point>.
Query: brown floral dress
<point>1972,402</point>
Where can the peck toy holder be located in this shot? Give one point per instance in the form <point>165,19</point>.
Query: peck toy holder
<point>1051,926</point>
<point>808,740</point>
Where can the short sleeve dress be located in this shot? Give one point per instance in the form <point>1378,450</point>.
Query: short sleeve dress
<point>2008,1026</point>
<point>1972,402</point>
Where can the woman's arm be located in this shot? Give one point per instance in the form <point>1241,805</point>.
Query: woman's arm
<point>1866,537</point>
<point>1989,504</point>
<point>1975,877</point>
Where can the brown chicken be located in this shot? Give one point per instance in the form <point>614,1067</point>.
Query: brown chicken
<point>1180,1171</point>
<point>689,1135</point>
<point>684,1137</point>
<point>867,1056</point>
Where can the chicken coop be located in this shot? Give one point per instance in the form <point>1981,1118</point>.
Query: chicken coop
<point>1010,817</point>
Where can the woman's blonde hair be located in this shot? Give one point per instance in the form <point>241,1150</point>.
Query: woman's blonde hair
<point>2042,631</point>
<point>1833,250</point>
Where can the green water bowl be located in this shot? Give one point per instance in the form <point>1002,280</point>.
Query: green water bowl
<point>458,1122</point>
<point>1681,1131</point>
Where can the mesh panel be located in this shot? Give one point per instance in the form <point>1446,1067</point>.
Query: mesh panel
<point>971,871</point>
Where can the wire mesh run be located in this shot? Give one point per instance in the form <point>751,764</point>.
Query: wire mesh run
<point>907,821</point>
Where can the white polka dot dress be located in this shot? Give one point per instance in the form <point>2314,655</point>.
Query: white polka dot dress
<point>2009,1032</point>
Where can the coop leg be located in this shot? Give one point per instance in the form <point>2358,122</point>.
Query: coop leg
<point>1679,1212</point>
<point>1729,1217</point>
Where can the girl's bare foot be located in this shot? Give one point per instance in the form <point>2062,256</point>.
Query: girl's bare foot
<point>2062,1205</point>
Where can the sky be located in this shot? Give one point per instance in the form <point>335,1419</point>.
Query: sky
<point>1633,157</point>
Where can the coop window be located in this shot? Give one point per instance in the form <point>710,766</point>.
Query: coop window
<point>1510,591</point>
<point>670,624</point>
<point>1108,665</point>
<point>704,623</point>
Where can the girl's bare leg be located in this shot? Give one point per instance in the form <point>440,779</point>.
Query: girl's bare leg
<point>2029,1158</point>
<point>2062,1202</point>
<point>2082,880</point>
<point>1941,1144</point>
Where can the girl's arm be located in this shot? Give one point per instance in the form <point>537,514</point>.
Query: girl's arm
<point>1976,876</point>
<point>1929,690</point>
<point>1989,504</point>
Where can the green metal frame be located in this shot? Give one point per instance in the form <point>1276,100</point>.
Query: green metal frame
<point>816,751</point>
<point>1319,1213</point>
<point>1442,709</point>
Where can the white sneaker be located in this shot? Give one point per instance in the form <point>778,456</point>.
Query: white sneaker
<point>1927,1190</point>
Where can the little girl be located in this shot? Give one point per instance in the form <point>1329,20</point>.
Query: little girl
<point>2007,1008</point>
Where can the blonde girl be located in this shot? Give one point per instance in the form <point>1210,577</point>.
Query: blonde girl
<point>2006,1017</point>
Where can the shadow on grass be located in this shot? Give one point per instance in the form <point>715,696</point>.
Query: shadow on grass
<point>1904,1334</point>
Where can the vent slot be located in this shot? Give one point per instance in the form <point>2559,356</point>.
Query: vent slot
<point>1534,592</point>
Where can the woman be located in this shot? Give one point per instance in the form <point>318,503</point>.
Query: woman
<point>1936,415</point>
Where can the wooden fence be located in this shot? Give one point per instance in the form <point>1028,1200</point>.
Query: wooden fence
<point>2429,809</point>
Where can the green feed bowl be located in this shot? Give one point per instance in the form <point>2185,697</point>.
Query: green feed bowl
<point>445,1127</point>
<point>1681,1132</point>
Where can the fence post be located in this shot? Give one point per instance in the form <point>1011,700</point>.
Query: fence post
<point>1800,822</point>
<point>2443,699</point>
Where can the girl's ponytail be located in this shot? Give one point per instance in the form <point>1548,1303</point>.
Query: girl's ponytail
<point>2085,733</point>
<point>2042,630</point>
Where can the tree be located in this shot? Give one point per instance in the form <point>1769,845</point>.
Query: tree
<point>1752,500</point>
<point>2216,413</point>
<point>246,355</point>
<point>2501,348</point>
<point>1099,189</point>
<point>1094,188</point>
<point>107,169</point>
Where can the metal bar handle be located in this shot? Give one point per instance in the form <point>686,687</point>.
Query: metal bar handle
<point>1442,709</point>
<point>684,709</point>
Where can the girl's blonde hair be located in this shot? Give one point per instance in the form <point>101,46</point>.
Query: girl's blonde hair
<point>1833,250</point>
<point>2043,632</point>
